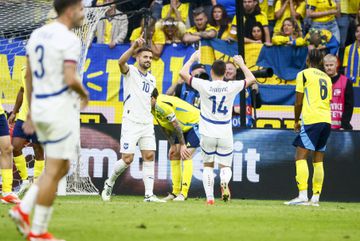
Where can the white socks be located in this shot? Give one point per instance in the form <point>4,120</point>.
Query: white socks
<point>303,195</point>
<point>225,175</point>
<point>119,168</point>
<point>42,216</point>
<point>28,202</point>
<point>148,177</point>
<point>208,182</point>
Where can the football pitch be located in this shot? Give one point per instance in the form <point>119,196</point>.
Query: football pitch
<point>87,218</point>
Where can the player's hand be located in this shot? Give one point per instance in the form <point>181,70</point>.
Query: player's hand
<point>172,151</point>
<point>28,126</point>
<point>184,152</point>
<point>297,127</point>
<point>195,57</point>
<point>238,59</point>
<point>255,87</point>
<point>139,42</point>
<point>11,118</point>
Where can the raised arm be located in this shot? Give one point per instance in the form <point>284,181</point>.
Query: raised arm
<point>124,67</point>
<point>184,72</point>
<point>249,77</point>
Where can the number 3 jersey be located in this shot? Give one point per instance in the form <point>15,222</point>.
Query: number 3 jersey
<point>137,95</point>
<point>48,48</point>
<point>217,99</point>
<point>317,88</point>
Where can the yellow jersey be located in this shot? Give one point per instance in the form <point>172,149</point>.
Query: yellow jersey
<point>24,106</point>
<point>349,6</point>
<point>183,9</point>
<point>195,30</point>
<point>317,88</point>
<point>158,36</point>
<point>226,34</point>
<point>1,108</point>
<point>261,18</point>
<point>322,6</point>
<point>170,108</point>
<point>287,14</point>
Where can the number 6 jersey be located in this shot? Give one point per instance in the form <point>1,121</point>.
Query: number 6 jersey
<point>216,104</point>
<point>137,95</point>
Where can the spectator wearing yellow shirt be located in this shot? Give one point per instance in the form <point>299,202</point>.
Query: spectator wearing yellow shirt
<point>351,61</point>
<point>177,10</point>
<point>155,37</point>
<point>290,34</point>
<point>323,14</point>
<point>173,29</point>
<point>289,8</point>
<point>349,10</point>
<point>221,22</point>
<point>322,40</point>
<point>113,29</point>
<point>252,15</point>
<point>201,30</point>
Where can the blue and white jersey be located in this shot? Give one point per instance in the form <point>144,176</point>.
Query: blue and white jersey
<point>137,95</point>
<point>217,100</point>
<point>48,48</point>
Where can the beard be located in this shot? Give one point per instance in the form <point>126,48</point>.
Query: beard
<point>145,65</point>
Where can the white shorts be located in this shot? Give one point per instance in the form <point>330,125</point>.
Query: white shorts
<point>217,149</point>
<point>61,140</point>
<point>133,133</point>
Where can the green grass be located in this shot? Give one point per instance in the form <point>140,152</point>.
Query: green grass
<point>129,218</point>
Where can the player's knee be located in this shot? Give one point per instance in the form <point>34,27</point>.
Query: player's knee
<point>174,156</point>
<point>39,152</point>
<point>7,149</point>
<point>208,164</point>
<point>149,156</point>
<point>127,158</point>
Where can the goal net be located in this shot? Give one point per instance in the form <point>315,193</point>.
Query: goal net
<point>18,19</point>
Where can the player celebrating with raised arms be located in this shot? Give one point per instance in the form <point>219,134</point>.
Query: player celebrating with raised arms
<point>313,95</point>
<point>179,121</point>
<point>54,89</point>
<point>137,124</point>
<point>217,98</point>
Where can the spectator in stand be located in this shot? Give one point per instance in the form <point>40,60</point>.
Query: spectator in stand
<point>290,34</point>
<point>185,91</point>
<point>230,74</point>
<point>229,5</point>
<point>173,29</point>
<point>289,9</point>
<point>351,61</point>
<point>257,34</point>
<point>271,15</point>
<point>323,40</point>
<point>201,30</point>
<point>177,10</point>
<point>221,22</point>
<point>349,10</point>
<point>342,102</point>
<point>155,37</point>
<point>323,14</point>
<point>252,15</point>
<point>113,29</point>
<point>156,8</point>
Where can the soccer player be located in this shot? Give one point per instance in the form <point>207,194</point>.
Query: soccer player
<point>313,95</point>
<point>19,139</point>
<point>180,119</point>
<point>6,161</point>
<point>54,89</point>
<point>217,98</point>
<point>137,124</point>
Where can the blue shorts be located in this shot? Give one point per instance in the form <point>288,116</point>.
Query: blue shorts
<point>19,132</point>
<point>4,128</point>
<point>313,137</point>
<point>192,139</point>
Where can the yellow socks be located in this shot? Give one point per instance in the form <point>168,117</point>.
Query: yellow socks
<point>176,176</point>
<point>38,168</point>
<point>318,177</point>
<point>302,174</point>
<point>20,163</point>
<point>7,180</point>
<point>187,176</point>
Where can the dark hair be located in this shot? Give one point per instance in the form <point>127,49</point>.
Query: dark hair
<point>315,58</point>
<point>143,49</point>
<point>259,25</point>
<point>155,93</point>
<point>224,21</point>
<point>61,5</point>
<point>219,67</point>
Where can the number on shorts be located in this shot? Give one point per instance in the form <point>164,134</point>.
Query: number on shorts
<point>220,108</point>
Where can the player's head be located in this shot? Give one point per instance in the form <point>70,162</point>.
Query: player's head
<point>330,64</point>
<point>144,57</point>
<point>72,10</point>
<point>154,96</point>
<point>218,70</point>
<point>230,73</point>
<point>315,59</point>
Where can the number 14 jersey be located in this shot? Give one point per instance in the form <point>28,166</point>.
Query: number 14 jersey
<point>216,105</point>
<point>317,88</point>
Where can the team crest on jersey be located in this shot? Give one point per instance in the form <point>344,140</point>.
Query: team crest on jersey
<point>126,146</point>
<point>337,92</point>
